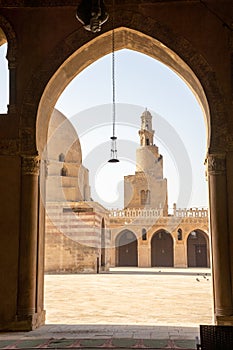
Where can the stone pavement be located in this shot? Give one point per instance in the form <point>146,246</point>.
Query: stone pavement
<point>124,309</point>
<point>132,296</point>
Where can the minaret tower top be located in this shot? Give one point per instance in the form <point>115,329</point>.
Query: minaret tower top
<point>148,158</point>
<point>146,133</point>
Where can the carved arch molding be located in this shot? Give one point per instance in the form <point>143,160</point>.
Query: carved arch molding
<point>7,34</point>
<point>135,21</point>
<point>7,29</point>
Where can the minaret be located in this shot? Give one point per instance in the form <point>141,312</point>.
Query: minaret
<point>147,188</point>
<point>148,159</point>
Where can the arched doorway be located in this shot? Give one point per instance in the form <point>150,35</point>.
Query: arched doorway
<point>47,104</point>
<point>126,249</point>
<point>188,44</point>
<point>197,249</point>
<point>162,249</point>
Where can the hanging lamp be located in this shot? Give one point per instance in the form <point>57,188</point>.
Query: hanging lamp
<point>113,157</point>
<point>92,14</point>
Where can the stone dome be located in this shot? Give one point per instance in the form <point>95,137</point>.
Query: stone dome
<point>68,179</point>
<point>63,142</point>
<point>146,114</point>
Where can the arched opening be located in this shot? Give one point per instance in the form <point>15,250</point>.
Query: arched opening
<point>61,157</point>
<point>198,249</point>
<point>162,253</point>
<point>126,249</point>
<point>148,197</point>
<point>191,79</point>
<point>4,83</point>
<point>64,171</point>
<point>81,58</point>
<point>8,62</point>
<point>179,234</point>
<point>144,234</point>
<point>143,197</point>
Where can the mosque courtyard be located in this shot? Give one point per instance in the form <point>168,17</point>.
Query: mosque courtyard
<point>131,296</point>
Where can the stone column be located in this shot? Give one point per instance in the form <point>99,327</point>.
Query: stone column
<point>27,277</point>
<point>41,240</point>
<point>143,253</point>
<point>223,307</point>
<point>180,259</point>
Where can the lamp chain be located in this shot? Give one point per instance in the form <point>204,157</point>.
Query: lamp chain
<point>113,73</point>
<point>113,84</point>
<point>113,158</point>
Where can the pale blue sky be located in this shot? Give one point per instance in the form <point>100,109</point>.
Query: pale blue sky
<point>4,81</point>
<point>140,82</point>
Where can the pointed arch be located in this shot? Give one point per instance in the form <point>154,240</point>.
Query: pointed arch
<point>61,157</point>
<point>64,171</point>
<point>167,47</point>
<point>162,249</point>
<point>143,197</point>
<point>75,52</point>
<point>198,249</point>
<point>126,249</point>
<point>7,35</point>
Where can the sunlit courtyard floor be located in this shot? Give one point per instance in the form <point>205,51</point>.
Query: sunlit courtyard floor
<point>132,296</point>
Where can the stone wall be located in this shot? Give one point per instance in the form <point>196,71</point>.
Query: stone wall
<point>64,255</point>
<point>73,238</point>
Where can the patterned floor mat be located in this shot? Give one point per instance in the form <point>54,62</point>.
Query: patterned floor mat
<point>97,344</point>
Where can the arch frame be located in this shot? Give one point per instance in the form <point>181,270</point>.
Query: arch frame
<point>118,247</point>
<point>42,91</point>
<point>122,231</point>
<point>205,233</point>
<point>207,240</point>
<point>7,30</point>
<point>171,238</point>
<point>159,43</point>
<point>12,51</point>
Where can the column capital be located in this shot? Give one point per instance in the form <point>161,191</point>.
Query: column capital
<point>30,165</point>
<point>216,164</point>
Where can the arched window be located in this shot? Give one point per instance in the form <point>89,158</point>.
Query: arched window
<point>4,81</point>
<point>143,197</point>
<point>64,171</point>
<point>144,234</point>
<point>61,157</point>
<point>179,234</point>
<point>147,197</point>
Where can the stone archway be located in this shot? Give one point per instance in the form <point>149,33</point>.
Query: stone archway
<point>162,249</point>
<point>98,47</point>
<point>76,52</point>
<point>126,249</point>
<point>197,249</point>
